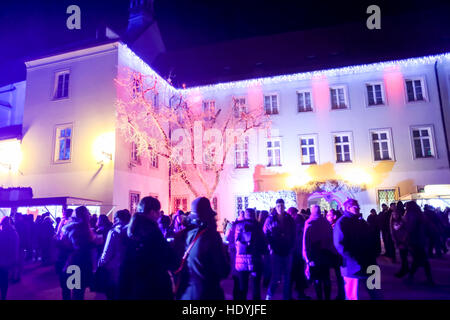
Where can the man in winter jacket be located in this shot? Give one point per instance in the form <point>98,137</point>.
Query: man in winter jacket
<point>250,246</point>
<point>9,253</point>
<point>355,243</point>
<point>279,229</point>
<point>147,258</point>
<point>113,252</point>
<point>207,263</point>
<point>319,252</point>
<point>298,278</point>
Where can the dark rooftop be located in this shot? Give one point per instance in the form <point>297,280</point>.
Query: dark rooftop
<point>411,35</point>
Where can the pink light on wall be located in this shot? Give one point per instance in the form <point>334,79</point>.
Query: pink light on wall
<point>254,96</point>
<point>395,85</point>
<point>321,93</point>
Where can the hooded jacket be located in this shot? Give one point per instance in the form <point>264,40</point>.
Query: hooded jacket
<point>355,242</point>
<point>318,240</point>
<point>280,233</point>
<point>147,259</point>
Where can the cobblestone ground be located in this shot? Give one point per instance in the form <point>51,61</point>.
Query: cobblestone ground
<point>41,283</point>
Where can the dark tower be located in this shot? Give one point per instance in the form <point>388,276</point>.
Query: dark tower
<point>143,35</point>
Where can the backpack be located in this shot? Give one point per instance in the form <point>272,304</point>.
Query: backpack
<point>245,238</point>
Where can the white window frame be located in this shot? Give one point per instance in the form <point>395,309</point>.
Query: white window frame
<point>424,89</point>
<point>154,158</point>
<point>181,198</point>
<point>383,94</point>
<point>129,200</point>
<point>273,139</point>
<point>134,157</point>
<point>430,129</point>
<point>346,99</point>
<point>390,143</point>
<point>311,100</point>
<point>245,141</point>
<point>271,94</point>
<point>242,196</point>
<point>211,110</point>
<point>56,131</point>
<point>242,108</point>
<point>55,84</point>
<point>350,143</point>
<point>313,136</point>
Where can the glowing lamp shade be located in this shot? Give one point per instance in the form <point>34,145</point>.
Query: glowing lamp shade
<point>10,155</point>
<point>357,176</point>
<point>103,147</point>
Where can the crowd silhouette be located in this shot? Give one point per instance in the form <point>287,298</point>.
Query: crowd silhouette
<point>150,255</point>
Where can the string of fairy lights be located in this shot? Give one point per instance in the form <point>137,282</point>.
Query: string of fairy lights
<point>136,61</point>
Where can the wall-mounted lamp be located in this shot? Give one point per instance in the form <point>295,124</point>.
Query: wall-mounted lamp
<point>10,155</point>
<point>103,148</point>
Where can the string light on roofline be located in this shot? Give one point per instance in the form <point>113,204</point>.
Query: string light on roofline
<point>137,63</point>
<point>379,66</point>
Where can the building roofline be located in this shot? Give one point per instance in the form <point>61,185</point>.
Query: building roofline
<point>72,54</point>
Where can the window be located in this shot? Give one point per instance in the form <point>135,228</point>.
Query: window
<point>134,201</point>
<point>271,104</point>
<point>61,85</point>
<point>415,89</point>
<point>154,160</point>
<point>241,153</point>
<point>342,147</point>
<point>308,147</point>
<point>375,94</point>
<point>423,142</point>
<point>239,106</point>
<point>304,103</point>
<point>137,84</point>
<point>241,204</point>
<point>338,98</point>
<point>209,109</point>
<point>135,158</point>
<point>382,145</point>
<point>180,203</point>
<point>386,196</point>
<point>274,152</point>
<point>215,204</point>
<point>63,145</point>
<point>156,102</point>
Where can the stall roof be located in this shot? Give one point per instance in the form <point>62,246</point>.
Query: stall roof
<point>48,201</point>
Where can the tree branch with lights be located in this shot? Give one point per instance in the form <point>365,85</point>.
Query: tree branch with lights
<point>196,140</point>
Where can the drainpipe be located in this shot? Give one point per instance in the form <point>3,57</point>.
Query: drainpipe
<point>442,111</point>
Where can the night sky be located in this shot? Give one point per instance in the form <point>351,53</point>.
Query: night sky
<point>31,28</point>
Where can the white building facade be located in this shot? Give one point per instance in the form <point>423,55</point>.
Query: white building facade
<point>379,126</point>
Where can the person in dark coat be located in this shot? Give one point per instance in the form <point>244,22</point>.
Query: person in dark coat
<point>318,250</point>
<point>385,227</point>
<point>250,247</point>
<point>279,229</point>
<point>298,277</point>
<point>374,224</point>
<point>207,263</point>
<point>399,235</point>
<point>78,236</point>
<point>9,253</point>
<point>148,258</point>
<point>231,248</point>
<point>355,243</point>
<point>112,256</point>
<point>415,228</point>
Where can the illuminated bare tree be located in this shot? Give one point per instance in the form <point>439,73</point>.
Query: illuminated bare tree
<point>194,136</point>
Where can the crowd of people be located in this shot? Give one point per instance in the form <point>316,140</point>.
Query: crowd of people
<point>150,255</point>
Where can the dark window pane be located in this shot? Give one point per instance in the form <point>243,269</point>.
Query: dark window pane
<point>416,133</point>
<point>345,138</point>
<point>338,149</point>
<point>346,148</point>
<point>418,148</point>
<point>424,133</point>
<point>383,136</point>
<point>311,150</point>
<point>310,141</point>
<point>337,139</point>
<point>374,136</point>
